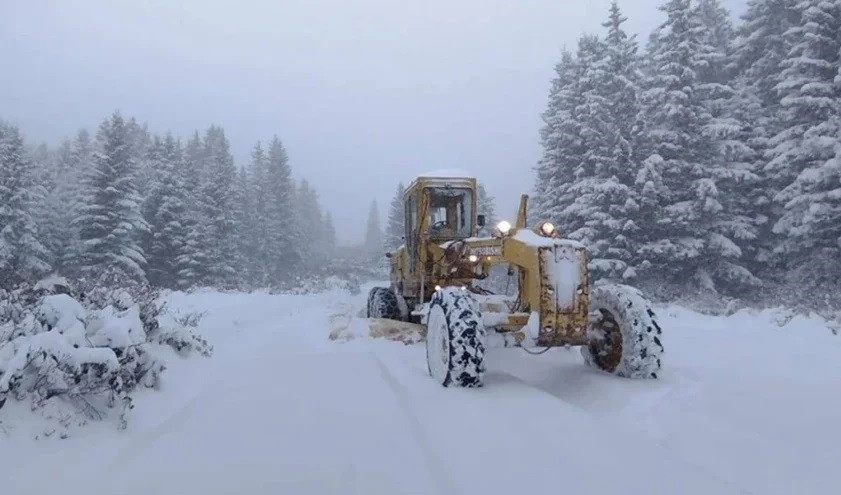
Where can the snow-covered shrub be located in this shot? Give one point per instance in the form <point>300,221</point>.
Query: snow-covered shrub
<point>90,349</point>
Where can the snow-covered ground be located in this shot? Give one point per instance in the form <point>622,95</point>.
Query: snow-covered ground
<point>743,406</point>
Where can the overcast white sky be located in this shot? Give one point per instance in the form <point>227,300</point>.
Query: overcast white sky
<point>364,93</point>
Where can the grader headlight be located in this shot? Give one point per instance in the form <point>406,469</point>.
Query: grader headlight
<point>546,229</point>
<point>503,228</point>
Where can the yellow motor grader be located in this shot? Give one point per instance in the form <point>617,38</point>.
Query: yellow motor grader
<point>434,277</point>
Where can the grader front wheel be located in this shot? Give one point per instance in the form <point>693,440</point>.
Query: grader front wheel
<point>455,339</point>
<point>625,337</point>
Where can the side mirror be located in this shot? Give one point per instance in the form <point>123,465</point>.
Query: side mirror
<point>481,220</point>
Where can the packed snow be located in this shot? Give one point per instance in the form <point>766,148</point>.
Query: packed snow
<point>746,404</point>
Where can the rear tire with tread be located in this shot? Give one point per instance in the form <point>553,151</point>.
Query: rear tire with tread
<point>382,303</point>
<point>625,337</point>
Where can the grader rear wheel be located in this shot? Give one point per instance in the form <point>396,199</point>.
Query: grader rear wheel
<point>624,333</point>
<point>383,303</point>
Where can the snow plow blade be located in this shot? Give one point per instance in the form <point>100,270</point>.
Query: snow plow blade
<point>346,326</point>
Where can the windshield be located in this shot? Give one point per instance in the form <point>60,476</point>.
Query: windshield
<point>450,212</point>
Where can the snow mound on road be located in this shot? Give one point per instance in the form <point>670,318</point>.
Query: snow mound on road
<point>347,324</point>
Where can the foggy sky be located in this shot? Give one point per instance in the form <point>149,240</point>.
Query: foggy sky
<point>363,93</point>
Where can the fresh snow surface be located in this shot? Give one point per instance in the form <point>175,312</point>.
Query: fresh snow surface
<point>563,269</point>
<point>744,405</point>
<point>448,173</point>
<point>531,238</point>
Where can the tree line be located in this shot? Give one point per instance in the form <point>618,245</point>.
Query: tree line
<point>709,160</point>
<point>130,206</point>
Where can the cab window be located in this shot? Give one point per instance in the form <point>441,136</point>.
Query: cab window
<point>450,212</point>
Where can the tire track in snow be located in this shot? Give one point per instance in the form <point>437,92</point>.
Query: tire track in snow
<point>621,429</point>
<point>440,474</point>
<point>137,447</point>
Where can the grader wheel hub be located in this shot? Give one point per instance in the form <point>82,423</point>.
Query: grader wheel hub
<point>607,347</point>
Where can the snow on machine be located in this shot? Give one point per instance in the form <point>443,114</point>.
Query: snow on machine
<point>434,279</point>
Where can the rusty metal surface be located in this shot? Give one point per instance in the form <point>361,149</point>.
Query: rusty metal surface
<point>562,322</point>
<point>607,348</point>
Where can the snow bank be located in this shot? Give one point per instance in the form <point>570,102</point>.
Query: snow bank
<point>84,356</point>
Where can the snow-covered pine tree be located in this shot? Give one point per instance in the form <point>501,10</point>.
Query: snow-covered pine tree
<point>141,144</point>
<point>252,245</point>
<point>110,223</point>
<point>485,205</point>
<point>165,208</point>
<point>329,235</point>
<point>805,164</point>
<point>311,229</point>
<point>242,230</point>
<point>373,232</point>
<point>561,145</point>
<point>599,211</point>
<point>23,256</point>
<point>194,257</point>
<point>621,87</point>
<point>733,162</point>
<point>395,227</point>
<point>217,225</point>
<point>759,49</point>
<point>686,240</point>
<point>69,199</point>
<point>285,229</point>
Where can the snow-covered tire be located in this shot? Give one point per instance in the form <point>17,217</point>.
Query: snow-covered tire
<point>382,303</point>
<point>625,338</point>
<point>455,339</point>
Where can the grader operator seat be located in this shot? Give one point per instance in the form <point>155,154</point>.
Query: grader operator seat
<point>450,213</point>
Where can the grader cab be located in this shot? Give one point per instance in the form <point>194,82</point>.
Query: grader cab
<point>434,284</point>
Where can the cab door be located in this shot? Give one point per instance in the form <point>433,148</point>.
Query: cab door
<point>411,224</point>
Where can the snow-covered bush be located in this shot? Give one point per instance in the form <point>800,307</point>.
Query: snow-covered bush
<point>90,349</point>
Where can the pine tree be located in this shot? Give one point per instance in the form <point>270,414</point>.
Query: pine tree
<point>561,145</point>
<point>69,198</point>
<point>687,239</point>
<point>23,256</point>
<point>759,50</point>
<point>395,228</point>
<point>597,214</point>
<point>486,205</point>
<point>217,205</point>
<point>286,240</point>
<point>194,256</point>
<point>329,234</point>
<point>805,154</point>
<point>311,231</point>
<point>52,173</point>
<point>733,162</point>
<point>110,223</point>
<point>761,46</point>
<point>373,231</point>
<point>254,245</point>
<point>164,210</point>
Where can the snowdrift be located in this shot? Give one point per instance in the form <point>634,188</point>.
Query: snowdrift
<point>77,356</point>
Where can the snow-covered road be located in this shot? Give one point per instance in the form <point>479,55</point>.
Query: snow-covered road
<point>744,406</point>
